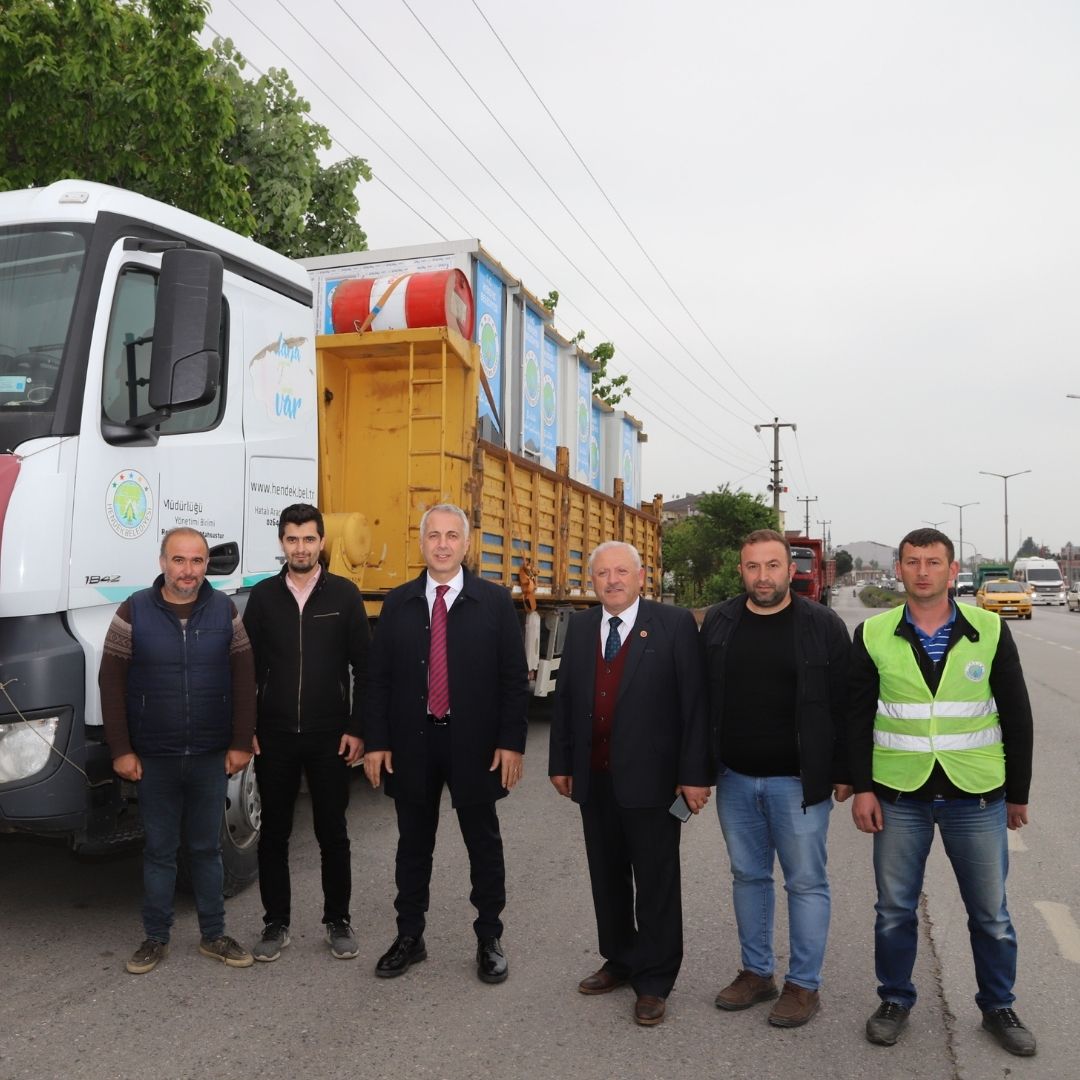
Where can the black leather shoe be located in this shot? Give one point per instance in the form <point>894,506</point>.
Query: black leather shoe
<point>491,963</point>
<point>405,952</point>
<point>1008,1029</point>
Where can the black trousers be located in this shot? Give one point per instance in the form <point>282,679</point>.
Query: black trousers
<point>283,757</point>
<point>417,826</point>
<point>633,856</point>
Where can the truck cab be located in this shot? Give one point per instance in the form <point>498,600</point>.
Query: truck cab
<point>152,367</point>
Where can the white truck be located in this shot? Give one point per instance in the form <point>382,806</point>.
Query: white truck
<point>1043,578</point>
<point>157,370</point>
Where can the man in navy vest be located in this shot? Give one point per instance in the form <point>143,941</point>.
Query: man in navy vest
<point>628,734</point>
<point>177,683</point>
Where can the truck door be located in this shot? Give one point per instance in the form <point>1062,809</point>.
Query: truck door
<point>130,491</point>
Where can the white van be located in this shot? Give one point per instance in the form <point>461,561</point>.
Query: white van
<point>1044,578</point>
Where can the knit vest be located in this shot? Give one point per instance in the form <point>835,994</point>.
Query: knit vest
<point>605,691</point>
<point>958,726</point>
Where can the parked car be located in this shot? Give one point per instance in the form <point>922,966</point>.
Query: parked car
<point>965,583</point>
<point>1005,597</point>
<point>1072,597</point>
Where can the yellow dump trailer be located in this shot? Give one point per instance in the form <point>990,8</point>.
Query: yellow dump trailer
<point>398,433</point>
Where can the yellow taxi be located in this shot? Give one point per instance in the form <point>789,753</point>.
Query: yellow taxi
<point>1005,597</point>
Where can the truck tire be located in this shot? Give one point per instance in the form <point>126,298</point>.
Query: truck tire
<point>240,824</point>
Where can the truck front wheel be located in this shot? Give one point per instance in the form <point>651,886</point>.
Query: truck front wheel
<point>240,830</point>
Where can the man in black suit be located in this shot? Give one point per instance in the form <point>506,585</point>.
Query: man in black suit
<point>447,700</point>
<point>629,733</point>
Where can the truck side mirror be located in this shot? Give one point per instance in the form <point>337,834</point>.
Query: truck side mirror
<point>185,367</point>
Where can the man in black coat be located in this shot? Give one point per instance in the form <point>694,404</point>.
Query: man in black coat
<point>629,733</point>
<point>309,632</point>
<point>447,702</point>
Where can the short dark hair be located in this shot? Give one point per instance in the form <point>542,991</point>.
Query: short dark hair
<point>765,536</point>
<point>924,538</point>
<point>300,514</point>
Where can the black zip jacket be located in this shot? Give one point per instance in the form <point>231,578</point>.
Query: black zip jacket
<point>822,648</point>
<point>302,659</point>
<point>1006,684</point>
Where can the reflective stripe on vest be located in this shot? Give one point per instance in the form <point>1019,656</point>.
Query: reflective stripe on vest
<point>957,729</point>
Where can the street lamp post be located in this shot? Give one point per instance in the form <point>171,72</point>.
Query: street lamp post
<point>960,507</point>
<point>1006,477</point>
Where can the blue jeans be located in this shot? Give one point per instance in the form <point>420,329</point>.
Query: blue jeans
<point>762,817</point>
<point>182,796</point>
<point>974,835</point>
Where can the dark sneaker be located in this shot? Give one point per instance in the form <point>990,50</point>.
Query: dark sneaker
<point>747,989</point>
<point>147,956</point>
<point>275,937</point>
<point>229,951</point>
<point>342,941</point>
<point>796,1006</point>
<point>1007,1028</point>
<point>885,1025</point>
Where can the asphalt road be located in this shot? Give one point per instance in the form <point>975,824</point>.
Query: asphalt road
<point>68,1009</point>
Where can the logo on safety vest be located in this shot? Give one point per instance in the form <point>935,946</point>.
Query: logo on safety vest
<point>975,670</point>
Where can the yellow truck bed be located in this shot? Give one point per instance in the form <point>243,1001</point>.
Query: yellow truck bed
<point>398,433</point>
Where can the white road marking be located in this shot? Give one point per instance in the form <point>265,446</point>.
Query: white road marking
<point>1016,841</point>
<point>1063,926</point>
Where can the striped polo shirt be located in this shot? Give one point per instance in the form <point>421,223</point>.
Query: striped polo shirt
<point>936,643</point>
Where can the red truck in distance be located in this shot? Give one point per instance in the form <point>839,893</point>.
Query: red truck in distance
<point>814,574</point>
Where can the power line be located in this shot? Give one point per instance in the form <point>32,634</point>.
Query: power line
<point>558,198</point>
<point>614,208</point>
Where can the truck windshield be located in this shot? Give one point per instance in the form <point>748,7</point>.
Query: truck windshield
<point>1044,575</point>
<point>803,559</point>
<point>40,270</point>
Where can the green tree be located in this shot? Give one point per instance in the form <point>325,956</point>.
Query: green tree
<point>702,552</point>
<point>301,208</point>
<point>609,388</point>
<point>121,92</point>
<point>843,563</point>
<point>117,92</point>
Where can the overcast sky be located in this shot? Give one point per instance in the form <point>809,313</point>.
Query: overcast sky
<point>870,211</point>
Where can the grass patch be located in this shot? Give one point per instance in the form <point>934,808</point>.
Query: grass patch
<point>874,597</point>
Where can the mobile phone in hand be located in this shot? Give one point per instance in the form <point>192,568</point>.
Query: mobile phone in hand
<point>680,808</point>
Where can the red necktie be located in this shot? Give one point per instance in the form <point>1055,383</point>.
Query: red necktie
<point>438,676</point>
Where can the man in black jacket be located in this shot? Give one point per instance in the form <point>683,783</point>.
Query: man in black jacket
<point>777,668</point>
<point>307,627</point>
<point>447,705</point>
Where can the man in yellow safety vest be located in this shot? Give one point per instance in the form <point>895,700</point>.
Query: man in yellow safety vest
<point>940,735</point>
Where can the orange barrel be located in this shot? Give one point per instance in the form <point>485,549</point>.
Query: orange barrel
<point>432,298</point>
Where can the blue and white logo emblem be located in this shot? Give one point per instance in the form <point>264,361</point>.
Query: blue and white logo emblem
<point>129,504</point>
<point>975,670</point>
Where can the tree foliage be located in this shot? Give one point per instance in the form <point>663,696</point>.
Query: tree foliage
<point>301,208</point>
<point>609,388</point>
<point>121,92</point>
<point>844,563</point>
<point>702,552</point>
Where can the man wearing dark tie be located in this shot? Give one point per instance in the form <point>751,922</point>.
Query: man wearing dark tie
<point>447,700</point>
<point>629,732</point>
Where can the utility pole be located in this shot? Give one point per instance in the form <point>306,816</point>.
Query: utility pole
<point>960,507</point>
<point>826,539</point>
<point>776,426</point>
<point>808,500</point>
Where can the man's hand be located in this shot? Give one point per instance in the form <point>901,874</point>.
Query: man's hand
<point>255,749</point>
<point>866,812</point>
<point>842,792</point>
<point>564,785</point>
<point>351,748</point>
<point>512,764</point>
<point>1016,813</point>
<point>696,797</point>
<point>374,762</point>
<point>235,760</point>
<point>128,767</point>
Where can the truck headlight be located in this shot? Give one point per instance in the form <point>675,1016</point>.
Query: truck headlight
<point>25,747</point>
